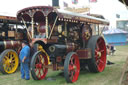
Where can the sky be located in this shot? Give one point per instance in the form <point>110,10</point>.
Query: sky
<point>107,8</point>
<point>10,7</point>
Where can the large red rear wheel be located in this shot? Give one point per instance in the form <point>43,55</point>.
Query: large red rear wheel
<point>71,67</point>
<point>38,62</point>
<point>98,49</point>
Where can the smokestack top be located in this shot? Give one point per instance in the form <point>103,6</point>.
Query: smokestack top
<point>55,3</point>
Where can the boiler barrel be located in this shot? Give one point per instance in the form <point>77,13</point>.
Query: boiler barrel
<point>59,50</point>
<point>9,45</point>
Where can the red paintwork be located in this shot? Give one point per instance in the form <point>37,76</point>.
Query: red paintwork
<point>39,67</point>
<point>74,62</point>
<point>100,61</point>
<point>83,53</point>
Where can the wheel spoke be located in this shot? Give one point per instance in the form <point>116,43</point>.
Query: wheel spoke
<point>13,61</point>
<point>101,51</point>
<point>96,51</point>
<point>12,57</point>
<point>72,75</point>
<point>101,61</point>
<point>6,57</point>
<point>39,72</point>
<point>70,67</point>
<point>96,54</point>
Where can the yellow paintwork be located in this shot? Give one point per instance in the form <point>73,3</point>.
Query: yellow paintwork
<point>41,48</point>
<point>10,62</point>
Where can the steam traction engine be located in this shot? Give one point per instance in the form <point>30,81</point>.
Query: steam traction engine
<point>64,41</point>
<point>10,37</point>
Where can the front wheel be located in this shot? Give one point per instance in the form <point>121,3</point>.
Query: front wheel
<point>71,67</point>
<point>38,63</point>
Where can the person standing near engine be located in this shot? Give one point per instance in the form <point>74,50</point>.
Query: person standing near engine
<point>24,60</point>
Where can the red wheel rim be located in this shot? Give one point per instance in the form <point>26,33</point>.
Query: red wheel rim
<point>100,54</point>
<point>40,70</point>
<point>74,68</point>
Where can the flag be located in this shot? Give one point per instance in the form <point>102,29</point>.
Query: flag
<point>92,1</point>
<point>65,4</point>
<point>74,1</point>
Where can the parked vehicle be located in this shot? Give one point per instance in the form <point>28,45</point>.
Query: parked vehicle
<point>10,43</point>
<point>65,41</point>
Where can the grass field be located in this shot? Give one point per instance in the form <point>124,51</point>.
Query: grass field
<point>110,76</point>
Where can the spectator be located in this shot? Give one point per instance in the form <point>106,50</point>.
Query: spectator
<point>113,49</point>
<point>24,60</point>
<point>108,53</point>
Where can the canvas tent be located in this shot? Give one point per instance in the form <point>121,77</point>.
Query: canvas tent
<point>116,37</point>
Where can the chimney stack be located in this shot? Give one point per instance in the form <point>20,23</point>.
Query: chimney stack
<point>55,3</point>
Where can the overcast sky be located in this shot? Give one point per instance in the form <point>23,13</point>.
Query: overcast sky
<point>108,8</point>
<point>10,7</point>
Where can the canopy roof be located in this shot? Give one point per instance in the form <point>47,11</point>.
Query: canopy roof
<point>114,31</point>
<point>40,12</point>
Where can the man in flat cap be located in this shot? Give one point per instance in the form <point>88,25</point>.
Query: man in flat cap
<point>24,60</point>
